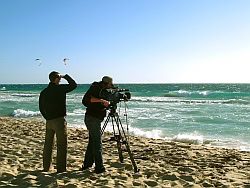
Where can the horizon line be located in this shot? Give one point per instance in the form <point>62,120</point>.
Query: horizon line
<point>141,83</point>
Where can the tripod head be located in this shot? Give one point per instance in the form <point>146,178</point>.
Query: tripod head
<point>112,108</point>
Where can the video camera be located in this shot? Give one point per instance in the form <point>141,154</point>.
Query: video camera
<point>115,95</point>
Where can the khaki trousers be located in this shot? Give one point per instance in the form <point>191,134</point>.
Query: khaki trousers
<point>56,127</point>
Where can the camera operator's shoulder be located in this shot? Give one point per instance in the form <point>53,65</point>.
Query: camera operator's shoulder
<point>95,89</point>
<point>96,85</point>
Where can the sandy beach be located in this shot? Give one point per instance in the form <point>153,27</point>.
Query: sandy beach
<point>161,163</point>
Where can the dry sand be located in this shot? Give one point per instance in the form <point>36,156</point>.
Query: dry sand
<point>161,163</point>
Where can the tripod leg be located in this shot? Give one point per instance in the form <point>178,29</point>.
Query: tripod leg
<point>119,147</point>
<point>105,124</point>
<point>131,157</point>
<point>118,140</point>
<point>125,141</point>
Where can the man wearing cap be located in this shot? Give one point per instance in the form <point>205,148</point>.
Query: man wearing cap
<point>52,105</point>
<point>95,113</point>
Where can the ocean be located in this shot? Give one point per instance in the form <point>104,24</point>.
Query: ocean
<point>210,114</point>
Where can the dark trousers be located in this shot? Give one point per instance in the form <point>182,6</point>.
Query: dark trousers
<point>94,148</point>
<point>56,127</point>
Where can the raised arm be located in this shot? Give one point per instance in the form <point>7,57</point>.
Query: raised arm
<point>68,87</point>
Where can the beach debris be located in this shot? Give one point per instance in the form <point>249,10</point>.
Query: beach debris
<point>39,60</point>
<point>64,61</point>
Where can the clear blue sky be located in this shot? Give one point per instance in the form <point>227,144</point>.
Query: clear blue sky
<point>134,41</point>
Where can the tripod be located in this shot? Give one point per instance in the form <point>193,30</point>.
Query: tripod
<point>119,136</point>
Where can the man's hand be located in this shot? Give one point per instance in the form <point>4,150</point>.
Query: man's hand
<point>104,102</point>
<point>61,76</point>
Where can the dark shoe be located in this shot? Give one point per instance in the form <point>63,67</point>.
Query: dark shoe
<point>45,170</point>
<point>84,168</point>
<point>60,171</point>
<point>98,171</point>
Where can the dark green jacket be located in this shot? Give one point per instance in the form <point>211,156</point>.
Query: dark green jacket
<point>96,109</point>
<point>52,100</point>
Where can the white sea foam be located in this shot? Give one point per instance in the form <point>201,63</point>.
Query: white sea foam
<point>184,93</point>
<point>76,112</point>
<point>189,138</point>
<point>25,113</point>
<point>203,93</point>
<point>149,99</point>
<point>156,134</point>
<point>22,95</point>
<point>232,144</point>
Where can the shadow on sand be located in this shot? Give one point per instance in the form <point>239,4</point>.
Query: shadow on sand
<point>39,178</point>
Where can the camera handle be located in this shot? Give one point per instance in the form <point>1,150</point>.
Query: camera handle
<point>120,137</point>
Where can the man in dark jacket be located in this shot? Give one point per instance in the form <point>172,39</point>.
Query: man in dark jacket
<point>95,113</point>
<point>52,105</point>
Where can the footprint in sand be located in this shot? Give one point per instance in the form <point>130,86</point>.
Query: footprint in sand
<point>151,183</point>
<point>25,152</point>
<point>135,183</point>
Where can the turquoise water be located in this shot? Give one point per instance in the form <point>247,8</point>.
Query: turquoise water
<point>212,114</point>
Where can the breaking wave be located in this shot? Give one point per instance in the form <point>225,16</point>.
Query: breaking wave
<point>206,94</point>
<point>191,101</point>
<point>19,113</point>
<point>22,95</point>
<point>3,89</point>
<point>189,138</point>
